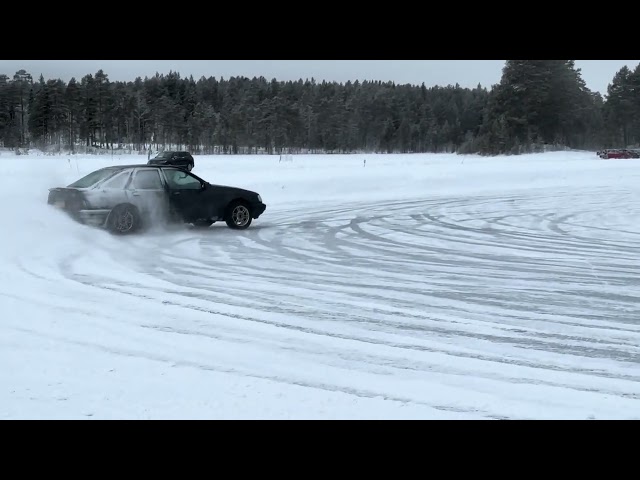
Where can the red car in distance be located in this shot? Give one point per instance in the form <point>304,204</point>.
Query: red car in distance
<point>619,153</point>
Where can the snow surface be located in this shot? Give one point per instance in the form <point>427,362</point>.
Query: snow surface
<point>417,287</point>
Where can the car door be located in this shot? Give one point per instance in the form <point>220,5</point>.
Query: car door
<point>146,191</point>
<point>190,197</point>
<point>111,192</point>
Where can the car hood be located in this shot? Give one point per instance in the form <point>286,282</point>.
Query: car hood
<point>234,189</point>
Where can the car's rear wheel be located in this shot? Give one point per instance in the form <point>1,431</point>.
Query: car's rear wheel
<point>124,219</point>
<point>238,216</point>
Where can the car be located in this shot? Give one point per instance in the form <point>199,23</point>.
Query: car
<point>618,153</point>
<point>123,199</point>
<point>177,159</point>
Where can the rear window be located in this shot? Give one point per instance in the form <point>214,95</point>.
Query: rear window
<point>118,182</point>
<point>93,178</point>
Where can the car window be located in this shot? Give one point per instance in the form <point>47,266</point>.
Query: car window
<point>92,178</point>
<point>118,182</point>
<point>147,180</point>
<point>181,180</point>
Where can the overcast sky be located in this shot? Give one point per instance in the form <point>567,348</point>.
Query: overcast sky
<point>468,73</point>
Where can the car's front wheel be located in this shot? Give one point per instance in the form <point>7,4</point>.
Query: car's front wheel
<point>238,216</point>
<point>123,219</point>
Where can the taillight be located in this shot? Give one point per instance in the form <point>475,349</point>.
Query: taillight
<point>83,202</point>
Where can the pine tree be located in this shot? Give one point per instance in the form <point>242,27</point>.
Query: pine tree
<point>620,106</point>
<point>536,102</point>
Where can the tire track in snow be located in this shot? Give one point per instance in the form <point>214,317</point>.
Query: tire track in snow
<point>493,280</point>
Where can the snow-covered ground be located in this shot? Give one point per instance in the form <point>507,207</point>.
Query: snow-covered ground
<point>417,286</point>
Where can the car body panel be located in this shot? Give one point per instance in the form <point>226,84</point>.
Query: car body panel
<point>147,191</point>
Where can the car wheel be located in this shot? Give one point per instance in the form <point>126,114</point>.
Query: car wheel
<point>123,219</point>
<point>238,216</point>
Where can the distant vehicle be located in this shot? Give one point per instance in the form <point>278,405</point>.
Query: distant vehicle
<point>176,159</point>
<point>125,198</point>
<point>618,153</point>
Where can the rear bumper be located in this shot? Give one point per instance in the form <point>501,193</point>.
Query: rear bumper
<point>258,209</point>
<point>89,217</point>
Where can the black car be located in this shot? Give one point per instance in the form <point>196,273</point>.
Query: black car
<point>176,159</point>
<point>126,197</point>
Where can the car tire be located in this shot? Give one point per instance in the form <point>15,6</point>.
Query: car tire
<point>123,220</point>
<point>238,216</point>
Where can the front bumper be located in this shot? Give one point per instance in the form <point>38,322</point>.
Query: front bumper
<point>258,209</point>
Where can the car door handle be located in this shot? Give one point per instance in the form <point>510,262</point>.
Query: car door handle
<point>135,194</point>
<point>176,193</point>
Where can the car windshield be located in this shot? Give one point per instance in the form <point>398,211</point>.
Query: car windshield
<point>164,155</point>
<point>93,178</point>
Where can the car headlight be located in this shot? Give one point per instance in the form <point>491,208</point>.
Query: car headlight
<point>259,198</point>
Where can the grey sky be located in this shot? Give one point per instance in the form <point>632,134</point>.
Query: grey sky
<point>468,73</point>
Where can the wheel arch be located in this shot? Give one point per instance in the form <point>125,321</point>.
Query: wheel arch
<point>233,201</point>
<point>238,200</point>
<point>230,207</point>
<point>121,205</point>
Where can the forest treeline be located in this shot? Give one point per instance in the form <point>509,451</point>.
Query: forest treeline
<point>537,104</point>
